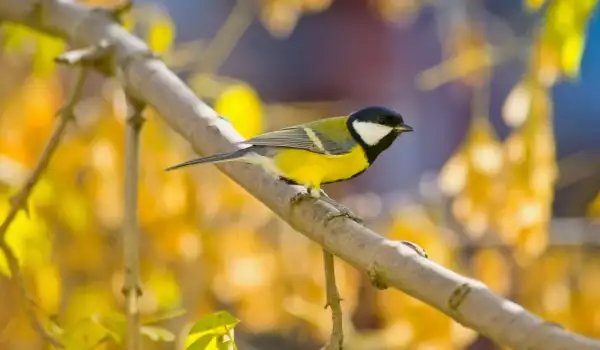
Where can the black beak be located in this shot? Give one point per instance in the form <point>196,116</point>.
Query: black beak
<point>404,128</point>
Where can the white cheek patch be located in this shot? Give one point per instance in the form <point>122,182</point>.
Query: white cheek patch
<point>371,133</point>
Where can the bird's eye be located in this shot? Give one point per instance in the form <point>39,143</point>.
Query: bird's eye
<point>387,120</point>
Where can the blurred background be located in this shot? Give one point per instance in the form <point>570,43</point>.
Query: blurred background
<point>500,181</point>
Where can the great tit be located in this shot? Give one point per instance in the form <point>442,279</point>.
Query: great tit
<point>320,152</point>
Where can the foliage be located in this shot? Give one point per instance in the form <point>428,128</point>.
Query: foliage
<point>214,331</point>
<point>207,243</point>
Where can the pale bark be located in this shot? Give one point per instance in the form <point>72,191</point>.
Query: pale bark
<point>391,263</point>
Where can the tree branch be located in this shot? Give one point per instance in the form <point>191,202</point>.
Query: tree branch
<point>392,263</point>
<point>336,340</point>
<point>131,237</point>
<point>19,202</point>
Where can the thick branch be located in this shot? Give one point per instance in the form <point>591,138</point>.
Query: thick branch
<point>391,263</point>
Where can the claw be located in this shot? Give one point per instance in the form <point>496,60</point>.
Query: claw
<point>344,213</point>
<point>299,197</point>
<point>342,210</point>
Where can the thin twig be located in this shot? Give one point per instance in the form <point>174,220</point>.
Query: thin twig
<point>333,301</point>
<point>131,240</point>
<point>85,56</point>
<point>19,202</point>
<point>228,35</point>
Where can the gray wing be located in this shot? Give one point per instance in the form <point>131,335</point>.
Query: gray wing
<point>301,138</point>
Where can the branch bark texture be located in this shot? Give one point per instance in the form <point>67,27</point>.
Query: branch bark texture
<point>391,263</point>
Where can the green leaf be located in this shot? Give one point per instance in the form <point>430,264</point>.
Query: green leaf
<point>167,315</point>
<point>215,322</point>
<point>225,345</point>
<point>211,327</point>
<point>205,342</point>
<point>157,333</point>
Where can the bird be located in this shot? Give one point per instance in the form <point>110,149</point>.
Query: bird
<point>320,152</point>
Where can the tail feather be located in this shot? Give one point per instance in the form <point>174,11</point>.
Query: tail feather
<point>217,158</point>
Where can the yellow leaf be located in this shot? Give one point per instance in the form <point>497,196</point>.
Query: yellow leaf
<point>47,48</point>
<point>14,37</point>
<point>594,208</point>
<point>28,239</point>
<point>48,285</point>
<point>41,98</point>
<point>484,149</point>
<point>280,17</point>
<point>399,11</point>
<point>586,7</point>
<point>571,53</point>
<point>534,4</point>
<point>163,286</point>
<point>493,270</point>
<point>241,105</point>
<point>128,21</point>
<point>86,334</point>
<point>316,5</point>
<point>453,176</point>
<point>517,105</point>
<point>87,300</point>
<point>161,35</point>
<point>22,40</point>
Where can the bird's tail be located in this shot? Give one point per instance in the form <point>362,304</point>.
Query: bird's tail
<point>217,158</point>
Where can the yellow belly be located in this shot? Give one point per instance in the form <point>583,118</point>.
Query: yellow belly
<point>312,169</point>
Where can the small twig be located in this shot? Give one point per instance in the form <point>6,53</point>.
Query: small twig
<point>85,56</point>
<point>229,34</point>
<point>131,240</point>
<point>454,67</point>
<point>19,202</point>
<point>117,12</point>
<point>121,9</point>
<point>333,301</point>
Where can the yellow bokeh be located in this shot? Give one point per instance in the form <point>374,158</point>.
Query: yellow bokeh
<point>241,105</point>
<point>207,244</point>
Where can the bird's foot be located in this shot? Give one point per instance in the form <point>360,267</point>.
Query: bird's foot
<point>316,195</point>
<point>343,212</point>
<point>299,197</point>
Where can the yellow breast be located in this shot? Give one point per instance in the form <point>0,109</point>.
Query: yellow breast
<point>312,169</point>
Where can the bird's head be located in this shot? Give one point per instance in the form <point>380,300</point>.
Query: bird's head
<point>376,126</point>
